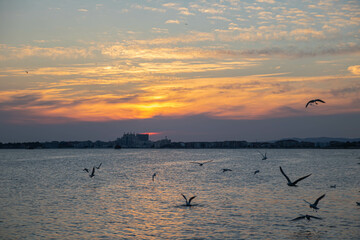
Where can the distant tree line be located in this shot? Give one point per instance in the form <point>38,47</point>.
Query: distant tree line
<point>186,145</point>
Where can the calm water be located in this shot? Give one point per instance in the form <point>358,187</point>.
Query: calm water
<point>44,194</point>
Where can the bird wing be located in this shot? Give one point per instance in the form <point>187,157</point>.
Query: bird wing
<point>191,199</point>
<point>298,218</point>
<point>307,202</point>
<point>301,178</point>
<point>308,103</point>
<point>262,154</point>
<point>208,161</point>
<point>195,163</point>
<point>287,178</point>
<point>184,197</point>
<point>99,166</point>
<point>319,100</point>
<point>86,170</point>
<point>93,171</point>
<point>317,200</point>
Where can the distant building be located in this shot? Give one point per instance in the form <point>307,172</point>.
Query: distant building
<point>132,140</point>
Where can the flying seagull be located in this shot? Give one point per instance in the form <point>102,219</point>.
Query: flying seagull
<point>264,156</point>
<point>226,169</point>
<point>98,167</point>
<point>153,176</point>
<point>92,173</point>
<point>86,170</point>
<point>257,171</point>
<point>314,101</point>
<point>290,183</point>
<point>188,203</point>
<point>200,164</point>
<point>314,205</point>
<point>333,186</point>
<point>308,217</point>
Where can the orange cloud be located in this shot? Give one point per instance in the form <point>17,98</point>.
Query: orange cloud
<point>354,69</point>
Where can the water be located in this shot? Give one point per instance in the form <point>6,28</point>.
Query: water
<point>44,194</point>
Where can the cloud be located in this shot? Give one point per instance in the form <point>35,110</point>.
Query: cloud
<point>354,69</point>
<point>266,1</point>
<point>172,21</point>
<point>137,6</point>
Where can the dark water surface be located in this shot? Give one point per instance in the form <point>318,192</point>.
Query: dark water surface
<point>44,194</point>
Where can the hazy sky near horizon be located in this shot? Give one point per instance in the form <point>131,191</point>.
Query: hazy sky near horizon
<point>201,70</point>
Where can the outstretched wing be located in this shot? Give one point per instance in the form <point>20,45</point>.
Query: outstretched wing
<point>298,218</point>
<point>195,163</point>
<point>98,167</point>
<point>191,199</point>
<point>184,197</point>
<point>317,200</point>
<point>86,170</point>
<point>287,178</point>
<point>93,172</point>
<point>301,178</point>
<point>319,100</point>
<point>208,161</point>
<point>262,154</point>
<point>309,103</point>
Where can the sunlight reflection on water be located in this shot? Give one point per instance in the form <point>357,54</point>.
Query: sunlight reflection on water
<point>45,194</point>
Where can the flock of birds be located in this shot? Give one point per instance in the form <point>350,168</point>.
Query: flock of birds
<point>290,183</point>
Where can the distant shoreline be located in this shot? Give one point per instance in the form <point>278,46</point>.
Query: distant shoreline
<point>167,144</point>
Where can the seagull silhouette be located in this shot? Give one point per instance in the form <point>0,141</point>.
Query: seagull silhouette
<point>333,186</point>
<point>153,176</point>
<point>92,173</point>
<point>86,170</point>
<point>290,183</point>
<point>314,205</point>
<point>200,164</point>
<point>308,217</point>
<point>264,156</point>
<point>226,169</point>
<point>257,171</point>
<point>98,167</point>
<point>314,101</point>
<point>188,203</point>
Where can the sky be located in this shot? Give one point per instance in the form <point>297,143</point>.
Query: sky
<point>200,70</point>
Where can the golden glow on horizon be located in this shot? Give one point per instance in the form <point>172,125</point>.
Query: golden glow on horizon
<point>246,60</point>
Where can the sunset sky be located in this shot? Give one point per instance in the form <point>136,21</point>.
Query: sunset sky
<point>189,70</point>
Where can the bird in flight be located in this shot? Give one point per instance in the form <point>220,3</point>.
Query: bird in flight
<point>153,176</point>
<point>92,173</point>
<point>98,167</point>
<point>308,217</point>
<point>200,164</point>
<point>314,205</point>
<point>290,183</point>
<point>86,170</point>
<point>264,156</point>
<point>226,169</point>
<point>311,102</point>
<point>257,171</point>
<point>188,203</point>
